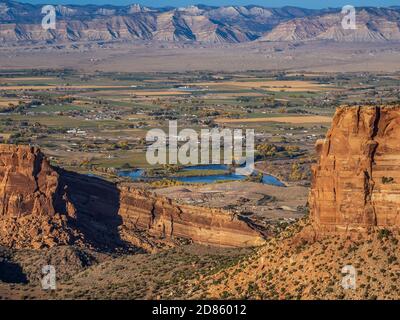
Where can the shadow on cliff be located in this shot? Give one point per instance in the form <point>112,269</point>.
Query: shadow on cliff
<point>95,206</point>
<point>11,272</point>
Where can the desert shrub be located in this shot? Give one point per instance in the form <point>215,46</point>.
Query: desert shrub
<point>384,233</point>
<point>387,180</point>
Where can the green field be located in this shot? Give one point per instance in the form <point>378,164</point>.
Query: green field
<point>113,121</point>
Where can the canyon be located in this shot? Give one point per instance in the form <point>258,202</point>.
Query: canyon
<point>42,206</point>
<point>77,221</point>
<point>354,189</point>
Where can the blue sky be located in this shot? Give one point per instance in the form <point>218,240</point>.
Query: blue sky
<point>266,3</point>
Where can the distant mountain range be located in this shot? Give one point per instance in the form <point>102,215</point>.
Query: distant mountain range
<point>21,24</point>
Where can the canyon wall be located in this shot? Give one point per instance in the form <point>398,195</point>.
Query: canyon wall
<point>44,206</point>
<point>204,225</point>
<point>356,183</point>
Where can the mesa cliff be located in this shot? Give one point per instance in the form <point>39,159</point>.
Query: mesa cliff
<point>356,183</point>
<point>21,24</point>
<point>44,206</point>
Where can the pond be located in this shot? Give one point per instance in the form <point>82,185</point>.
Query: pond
<point>138,174</point>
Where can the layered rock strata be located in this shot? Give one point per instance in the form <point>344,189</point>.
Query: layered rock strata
<point>44,206</point>
<point>356,182</point>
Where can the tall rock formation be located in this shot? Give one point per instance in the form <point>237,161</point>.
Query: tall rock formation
<point>44,206</point>
<point>356,183</point>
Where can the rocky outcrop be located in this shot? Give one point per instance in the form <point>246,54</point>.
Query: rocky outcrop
<point>45,206</point>
<point>29,196</point>
<point>163,218</point>
<point>356,183</point>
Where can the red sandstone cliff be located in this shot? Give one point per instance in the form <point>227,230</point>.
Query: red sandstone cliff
<point>166,219</point>
<point>42,206</point>
<point>356,183</point>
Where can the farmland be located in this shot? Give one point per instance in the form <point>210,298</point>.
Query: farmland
<point>97,121</point>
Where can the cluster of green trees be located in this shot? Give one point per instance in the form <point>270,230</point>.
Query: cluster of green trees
<point>267,150</point>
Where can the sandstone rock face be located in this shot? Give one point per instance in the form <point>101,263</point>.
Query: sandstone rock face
<point>356,183</point>
<point>29,195</point>
<point>44,206</point>
<point>162,217</point>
